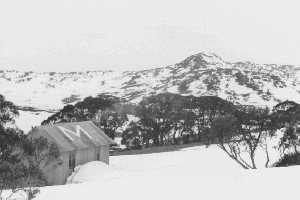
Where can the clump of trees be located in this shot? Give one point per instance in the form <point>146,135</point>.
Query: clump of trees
<point>240,131</point>
<point>170,118</point>
<point>289,147</point>
<point>22,160</point>
<point>167,118</point>
<point>288,113</point>
<point>248,128</point>
<point>107,112</point>
<point>183,86</point>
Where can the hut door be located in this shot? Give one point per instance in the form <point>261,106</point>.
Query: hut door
<point>97,153</point>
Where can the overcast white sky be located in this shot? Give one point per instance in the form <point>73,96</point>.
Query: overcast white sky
<point>77,35</point>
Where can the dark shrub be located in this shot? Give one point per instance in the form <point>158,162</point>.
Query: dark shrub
<point>288,160</point>
<point>185,139</point>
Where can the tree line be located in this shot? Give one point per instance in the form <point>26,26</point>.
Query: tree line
<point>167,118</point>
<point>239,130</point>
<point>160,116</point>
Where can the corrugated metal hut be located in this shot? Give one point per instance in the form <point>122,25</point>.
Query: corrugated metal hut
<point>79,142</point>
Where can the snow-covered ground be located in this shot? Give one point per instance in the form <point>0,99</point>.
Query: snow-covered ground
<point>190,173</point>
<point>26,119</point>
<point>100,172</point>
<point>118,140</point>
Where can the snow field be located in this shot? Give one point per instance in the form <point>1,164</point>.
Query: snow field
<point>191,173</point>
<point>27,119</point>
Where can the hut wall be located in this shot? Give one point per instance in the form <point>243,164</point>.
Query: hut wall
<point>104,154</point>
<point>59,175</point>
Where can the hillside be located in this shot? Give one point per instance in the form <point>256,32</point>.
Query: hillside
<point>200,74</point>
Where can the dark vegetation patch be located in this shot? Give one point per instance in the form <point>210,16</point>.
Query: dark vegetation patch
<point>71,99</point>
<point>48,85</point>
<point>175,82</point>
<point>196,77</point>
<point>166,81</point>
<point>156,72</point>
<point>286,67</point>
<point>179,76</point>
<point>198,63</point>
<point>266,96</point>
<point>23,80</point>
<point>160,149</point>
<point>288,160</point>
<point>28,108</point>
<point>135,94</point>
<point>184,86</point>
<point>277,82</point>
<point>62,79</point>
<point>246,95</point>
<point>158,88</point>
<point>212,82</point>
<point>208,72</point>
<point>134,85</point>
<point>244,80</point>
<point>132,80</point>
<point>198,59</point>
<point>25,74</point>
<point>255,77</point>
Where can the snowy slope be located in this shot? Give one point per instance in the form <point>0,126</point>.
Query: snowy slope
<point>190,173</point>
<point>203,73</point>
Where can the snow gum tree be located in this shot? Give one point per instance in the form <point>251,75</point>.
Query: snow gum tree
<point>205,109</point>
<point>136,134</point>
<point>241,134</point>
<point>183,118</point>
<point>289,147</point>
<point>41,153</point>
<point>287,113</point>
<point>110,120</point>
<point>155,112</point>
<point>15,174</point>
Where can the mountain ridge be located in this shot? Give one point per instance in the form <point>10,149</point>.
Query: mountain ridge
<point>203,73</point>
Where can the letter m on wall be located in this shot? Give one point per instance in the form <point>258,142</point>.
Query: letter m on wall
<point>67,132</point>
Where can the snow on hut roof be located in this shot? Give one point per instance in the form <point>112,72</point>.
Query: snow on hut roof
<point>72,136</point>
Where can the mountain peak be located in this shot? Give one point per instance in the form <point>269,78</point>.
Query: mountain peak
<point>202,60</point>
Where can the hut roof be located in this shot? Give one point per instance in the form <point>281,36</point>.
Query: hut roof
<point>72,136</point>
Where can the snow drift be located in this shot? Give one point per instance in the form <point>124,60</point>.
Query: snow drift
<point>93,171</point>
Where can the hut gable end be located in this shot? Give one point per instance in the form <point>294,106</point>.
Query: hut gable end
<point>77,133</point>
<point>73,136</point>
